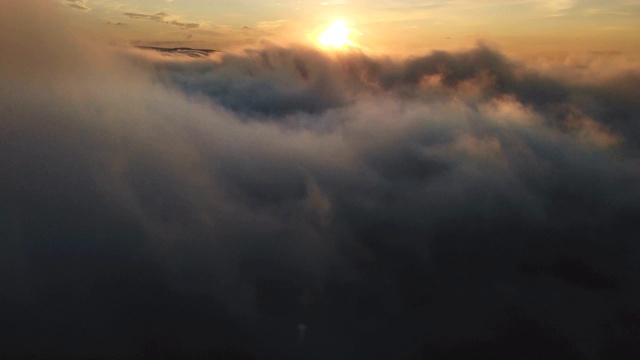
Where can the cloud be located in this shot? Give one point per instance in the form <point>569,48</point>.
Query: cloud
<point>557,7</point>
<point>450,205</point>
<point>78,4</point>
<point>162,17</point>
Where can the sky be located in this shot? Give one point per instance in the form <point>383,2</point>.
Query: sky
<point>403,27</point>
<point>280,199</point>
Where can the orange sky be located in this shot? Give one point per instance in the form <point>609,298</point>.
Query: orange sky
<point>394,26</point>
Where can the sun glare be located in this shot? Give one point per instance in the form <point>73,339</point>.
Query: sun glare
<point>337,35</point>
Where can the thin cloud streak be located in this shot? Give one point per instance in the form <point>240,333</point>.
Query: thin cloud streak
<point>162,17</point>
<point>78,4</point>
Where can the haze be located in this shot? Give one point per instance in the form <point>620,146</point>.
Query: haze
<point>206,180</point>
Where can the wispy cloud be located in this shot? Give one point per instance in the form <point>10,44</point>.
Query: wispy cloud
<point>116,23</point>
<point>78,4</point>
<point>556,7</point>
<point>162,17</point>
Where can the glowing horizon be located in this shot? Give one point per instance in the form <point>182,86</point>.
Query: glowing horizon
<point>402,27</point>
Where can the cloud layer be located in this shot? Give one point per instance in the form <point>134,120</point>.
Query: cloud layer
<point>453,205</point>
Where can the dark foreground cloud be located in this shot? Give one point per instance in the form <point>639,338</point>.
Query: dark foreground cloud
<point>283,203</point>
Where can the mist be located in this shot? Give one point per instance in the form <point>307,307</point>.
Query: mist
<point>459,205</point>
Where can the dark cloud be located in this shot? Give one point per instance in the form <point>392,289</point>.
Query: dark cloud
<point>161,17</point>
<point>308,82</point>
<point>157,17</point>
<point>453,205</point>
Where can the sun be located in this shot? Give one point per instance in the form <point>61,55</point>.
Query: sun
<point>337,35</point>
